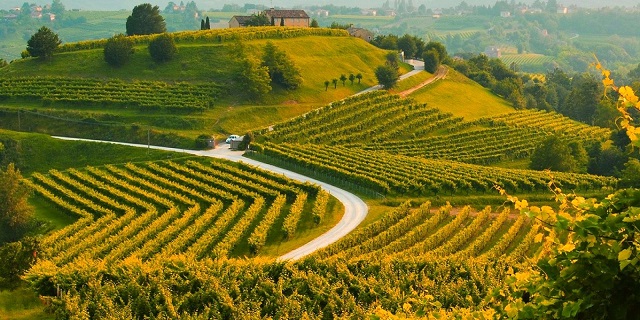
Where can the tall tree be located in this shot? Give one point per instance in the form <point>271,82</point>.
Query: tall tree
<point>145,19</point>
<point>559,155</point>
<point>43,43</point>
<point>431,60</point>
<point>15,212</point>
<point>202,25</point>
<point>207,23</point>
<point>407,44</point>
<point>343,78</point>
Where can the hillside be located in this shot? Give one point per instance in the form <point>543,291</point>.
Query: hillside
<point>193,94</point>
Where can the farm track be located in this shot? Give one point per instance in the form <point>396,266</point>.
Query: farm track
<point>441,73</point>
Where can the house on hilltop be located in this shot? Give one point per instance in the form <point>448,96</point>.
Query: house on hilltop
<point>361,33</point>
<point>288,18</point>
<point>238,21</point>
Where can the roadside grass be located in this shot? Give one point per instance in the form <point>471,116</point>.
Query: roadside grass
<point>46,211</point>
<point>21,304</point>
<point>462,97</point>
<point>40,153</point>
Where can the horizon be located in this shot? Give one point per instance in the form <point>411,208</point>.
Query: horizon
<point>218,4</point>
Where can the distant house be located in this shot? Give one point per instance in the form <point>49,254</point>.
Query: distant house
<point>322,13</point>
<point>361,33</point>
<point>493,52</point>
<point>288,18</point>
<point>505,14</point>
<point>50,16</point>
<point>239,21</point>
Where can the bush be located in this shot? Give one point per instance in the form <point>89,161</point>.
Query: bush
<point>162,48</point>
<point>43,43</point>
<point>202,141</point>
<point>118,50</point>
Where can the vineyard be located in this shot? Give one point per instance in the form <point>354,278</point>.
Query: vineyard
<point>382,122</point>
<point>217,36</point>
<point>158,209</point>
<point>145,95</point>
<point>402,175</point>
<point>425,234</point>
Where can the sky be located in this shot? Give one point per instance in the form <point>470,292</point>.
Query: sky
<point>217,4</point>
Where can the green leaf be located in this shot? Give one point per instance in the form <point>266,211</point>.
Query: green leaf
<point>624,255</point>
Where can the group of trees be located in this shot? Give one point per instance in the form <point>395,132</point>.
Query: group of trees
<point>343,77</point>
<point>257,77</point>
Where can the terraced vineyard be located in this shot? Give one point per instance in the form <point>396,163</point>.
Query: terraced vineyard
<point>145,95</point>
<point>382,122</point>
<point>426,235</point>
<point>397,174</point>
<point>159,209</point>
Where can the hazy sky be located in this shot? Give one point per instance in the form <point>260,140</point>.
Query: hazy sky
<point>217,4</point>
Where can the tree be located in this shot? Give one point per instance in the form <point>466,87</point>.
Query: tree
<point>392,60</point>
<point>352,78</point>
<point>326,85</point>
<point>631,173</point>
<point>343,78</point>
<point>335,83</point>
<point>387,76</point>
<point>145,19</point>
<point>251,77</point>
<point>202,26</point>
<point>359,77</point>
<point>43,43</point>
<point>207,23</point>
<point>431,60</point>
<point>58,9</point>
<point>314,23</point>
<point>247,139</point>
<point>258,20</point>
<point>16,258</point>
<point>282,22</point>
<point>282,70</point>
<point>118,50</point>
<point>558,155</point>
<point>440,48</point>
<point>407,44</point>
<point>15,212</point>
<point>162,48</point>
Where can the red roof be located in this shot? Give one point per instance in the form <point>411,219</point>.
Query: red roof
<point>287,13</point>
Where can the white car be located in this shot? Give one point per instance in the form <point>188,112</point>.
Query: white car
<point>231,137</point>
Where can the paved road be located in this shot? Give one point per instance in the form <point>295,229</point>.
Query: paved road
<point>355,209</point>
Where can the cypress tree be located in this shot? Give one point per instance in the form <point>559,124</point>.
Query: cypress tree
<point>202,25</point>
<point>207,24</point>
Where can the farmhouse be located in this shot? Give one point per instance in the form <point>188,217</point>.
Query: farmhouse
<point>361,33</point>
<point>288,18</point>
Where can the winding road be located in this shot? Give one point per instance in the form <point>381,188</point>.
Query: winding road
<point>355,210</point>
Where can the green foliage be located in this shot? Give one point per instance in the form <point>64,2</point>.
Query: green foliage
<point>259,20</point>
<point>43,43</point>
<point>118,50</point>
<point>558,155</point>
<point>588,266</point>
<point>145,19</point>
<point>407,44</point>
<point>162,48</point>
<point>440,48</point>
<point>343,78</point>
<point>15,212</point>
<point>387,76</point>
<point>631,173</point>
<point>202,141</point>
<point>431,60</point>
<point>314,23</point>
<point>15,259</point>
<point>282,70</point>
<point>251,76</point>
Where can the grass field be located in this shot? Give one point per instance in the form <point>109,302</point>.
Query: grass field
<point>21,304</point>
<point>462,97</point>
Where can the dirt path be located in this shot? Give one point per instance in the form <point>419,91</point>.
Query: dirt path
<point>441,73</point>
<point>355,209</point>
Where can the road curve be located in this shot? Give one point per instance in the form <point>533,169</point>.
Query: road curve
<point>355,210</point>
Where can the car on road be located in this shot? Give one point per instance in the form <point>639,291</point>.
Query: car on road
<point>231,137</point>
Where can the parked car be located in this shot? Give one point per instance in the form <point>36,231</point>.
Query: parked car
<point>232,137</point>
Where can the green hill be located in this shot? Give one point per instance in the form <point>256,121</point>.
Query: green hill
<point>195,91</point>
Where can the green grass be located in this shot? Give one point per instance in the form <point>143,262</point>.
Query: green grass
<point>411,82</point>
<point>46,211</point>
<point>462,97</point>
<point>21,304</point>
<point>40,153</point>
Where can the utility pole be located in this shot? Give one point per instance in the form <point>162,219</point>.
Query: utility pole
<point>18,120</point>
<point>148,140</point>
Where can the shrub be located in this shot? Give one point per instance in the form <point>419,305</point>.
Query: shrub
<point>118,50</point>
<point>162,48</point>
